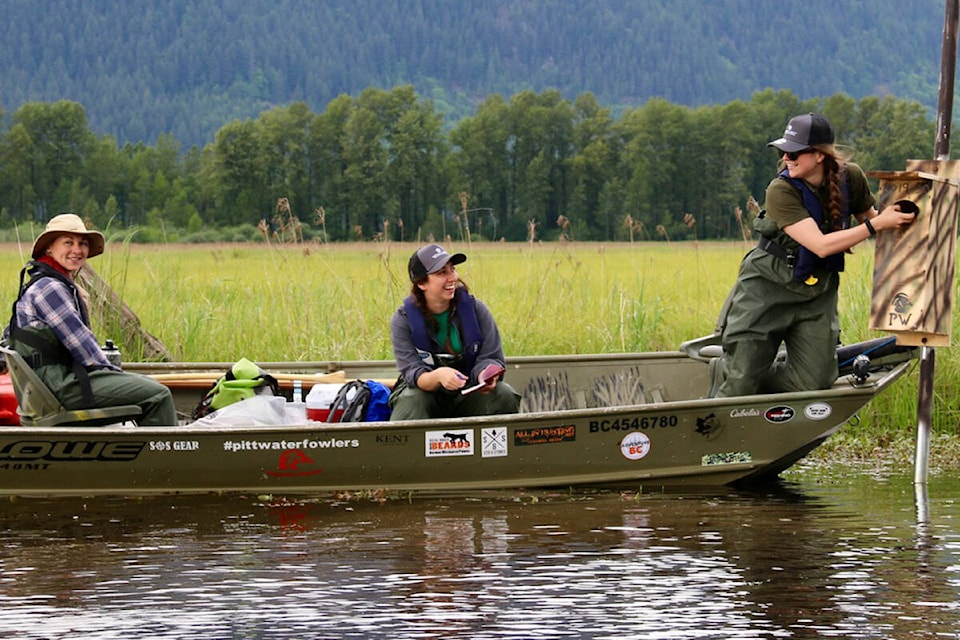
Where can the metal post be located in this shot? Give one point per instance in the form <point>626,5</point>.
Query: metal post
<point>941,151</point>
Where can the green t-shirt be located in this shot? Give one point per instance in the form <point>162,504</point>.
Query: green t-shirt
<point>447,333</point>
<point>784,204</point>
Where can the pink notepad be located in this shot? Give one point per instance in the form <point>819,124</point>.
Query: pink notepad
<point>490,372</point>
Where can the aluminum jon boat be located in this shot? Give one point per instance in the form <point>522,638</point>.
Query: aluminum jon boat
<point>636,422</point>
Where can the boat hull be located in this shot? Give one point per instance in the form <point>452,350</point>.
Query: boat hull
<point>647,428</point>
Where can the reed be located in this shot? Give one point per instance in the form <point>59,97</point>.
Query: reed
<point>302,301</point>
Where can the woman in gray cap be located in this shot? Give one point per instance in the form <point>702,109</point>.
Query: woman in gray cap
<point>786,290</point>
<point>50,328</point>
<point>447,346</point>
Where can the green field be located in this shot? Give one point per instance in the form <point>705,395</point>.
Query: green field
<point>334,302</point>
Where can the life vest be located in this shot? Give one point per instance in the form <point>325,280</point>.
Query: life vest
<point>808,261</point>
<point>41,347</point>
<point>472,338</point>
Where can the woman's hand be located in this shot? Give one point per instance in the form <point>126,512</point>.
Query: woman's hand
<point>891,218</point>
<point>446,377</point>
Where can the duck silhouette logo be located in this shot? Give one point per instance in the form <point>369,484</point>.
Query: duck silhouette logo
<point>289,465</point>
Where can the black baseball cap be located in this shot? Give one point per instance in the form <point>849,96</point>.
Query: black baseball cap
<point>803,132</point>
<point>430,259</point>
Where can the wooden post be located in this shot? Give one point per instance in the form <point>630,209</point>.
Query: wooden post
<point>941,151</point>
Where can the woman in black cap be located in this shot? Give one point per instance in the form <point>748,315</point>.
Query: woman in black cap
<point>447,346</point>
<point>786,290</point>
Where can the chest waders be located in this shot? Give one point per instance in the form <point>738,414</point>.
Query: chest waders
<point>788,297</point>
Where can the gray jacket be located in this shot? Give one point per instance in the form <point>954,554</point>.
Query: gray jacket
<point>411,364</point>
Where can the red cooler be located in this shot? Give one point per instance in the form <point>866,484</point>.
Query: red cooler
<point>8,401</point>
<point>319,399</point>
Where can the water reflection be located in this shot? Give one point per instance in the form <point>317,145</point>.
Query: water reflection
<point>842,557</point>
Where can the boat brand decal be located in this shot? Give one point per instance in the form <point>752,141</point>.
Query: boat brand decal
<point>545,435</point>
<point>635,445</point>
<point>390,439</point>
<point>745,413</point>
<point>72,450</point>
<point>449,443</point>
<point>635,423</point>
<point>780,413</point>
<point>817,411</point>
<point>729,457</point>
<point>290,465</point>
<point>493,442</point>
<point>283,445</point>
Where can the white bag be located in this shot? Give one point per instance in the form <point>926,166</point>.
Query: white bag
<point>258,411</point>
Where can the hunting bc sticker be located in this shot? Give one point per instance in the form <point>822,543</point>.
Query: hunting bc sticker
<point>635,445</point>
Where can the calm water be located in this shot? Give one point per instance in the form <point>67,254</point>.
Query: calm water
<point>833,557</point>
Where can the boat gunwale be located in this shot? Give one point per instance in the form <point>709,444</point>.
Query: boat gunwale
<point>869,390</point>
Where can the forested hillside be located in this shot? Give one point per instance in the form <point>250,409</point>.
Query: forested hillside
<point>188,67</point>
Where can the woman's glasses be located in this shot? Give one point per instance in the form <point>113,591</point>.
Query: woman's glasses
<point>793,155</point>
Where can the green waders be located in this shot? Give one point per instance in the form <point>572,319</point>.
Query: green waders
<point>767,307</point>
<point>109,388</point>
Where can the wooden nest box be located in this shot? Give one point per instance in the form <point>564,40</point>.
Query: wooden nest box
<point>914,265</point>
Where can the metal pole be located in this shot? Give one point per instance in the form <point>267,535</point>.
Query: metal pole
<point>941,151</point>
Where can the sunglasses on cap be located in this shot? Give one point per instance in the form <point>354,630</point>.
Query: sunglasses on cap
<point>793,155</point>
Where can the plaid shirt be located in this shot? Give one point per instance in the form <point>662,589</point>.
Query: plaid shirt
<point>49,304</point>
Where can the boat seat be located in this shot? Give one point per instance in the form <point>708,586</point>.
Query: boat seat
<point>38,407</point>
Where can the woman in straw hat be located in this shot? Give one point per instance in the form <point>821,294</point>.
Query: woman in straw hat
<point>50,328</point>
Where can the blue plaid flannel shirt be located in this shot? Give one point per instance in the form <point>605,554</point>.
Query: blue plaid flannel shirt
<point>50,304</point>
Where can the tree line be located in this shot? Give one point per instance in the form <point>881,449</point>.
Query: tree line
<point>384,165</point>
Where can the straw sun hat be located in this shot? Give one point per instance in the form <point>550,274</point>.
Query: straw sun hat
<point>67,223</point>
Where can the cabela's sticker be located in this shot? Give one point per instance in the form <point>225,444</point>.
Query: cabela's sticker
<point>545,435</point>
<point>635,445</point>
<point>818,411</point>
<point>456,442</point>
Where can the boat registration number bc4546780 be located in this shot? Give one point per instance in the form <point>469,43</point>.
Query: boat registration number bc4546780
<point>634,423</point>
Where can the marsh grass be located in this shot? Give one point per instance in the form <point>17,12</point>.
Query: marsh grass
<point>334,302</point>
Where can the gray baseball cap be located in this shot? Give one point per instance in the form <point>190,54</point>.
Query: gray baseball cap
<point>803,132</point>
<point>430,259</point>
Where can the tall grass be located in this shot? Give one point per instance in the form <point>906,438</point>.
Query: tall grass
<point>334,302</point>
